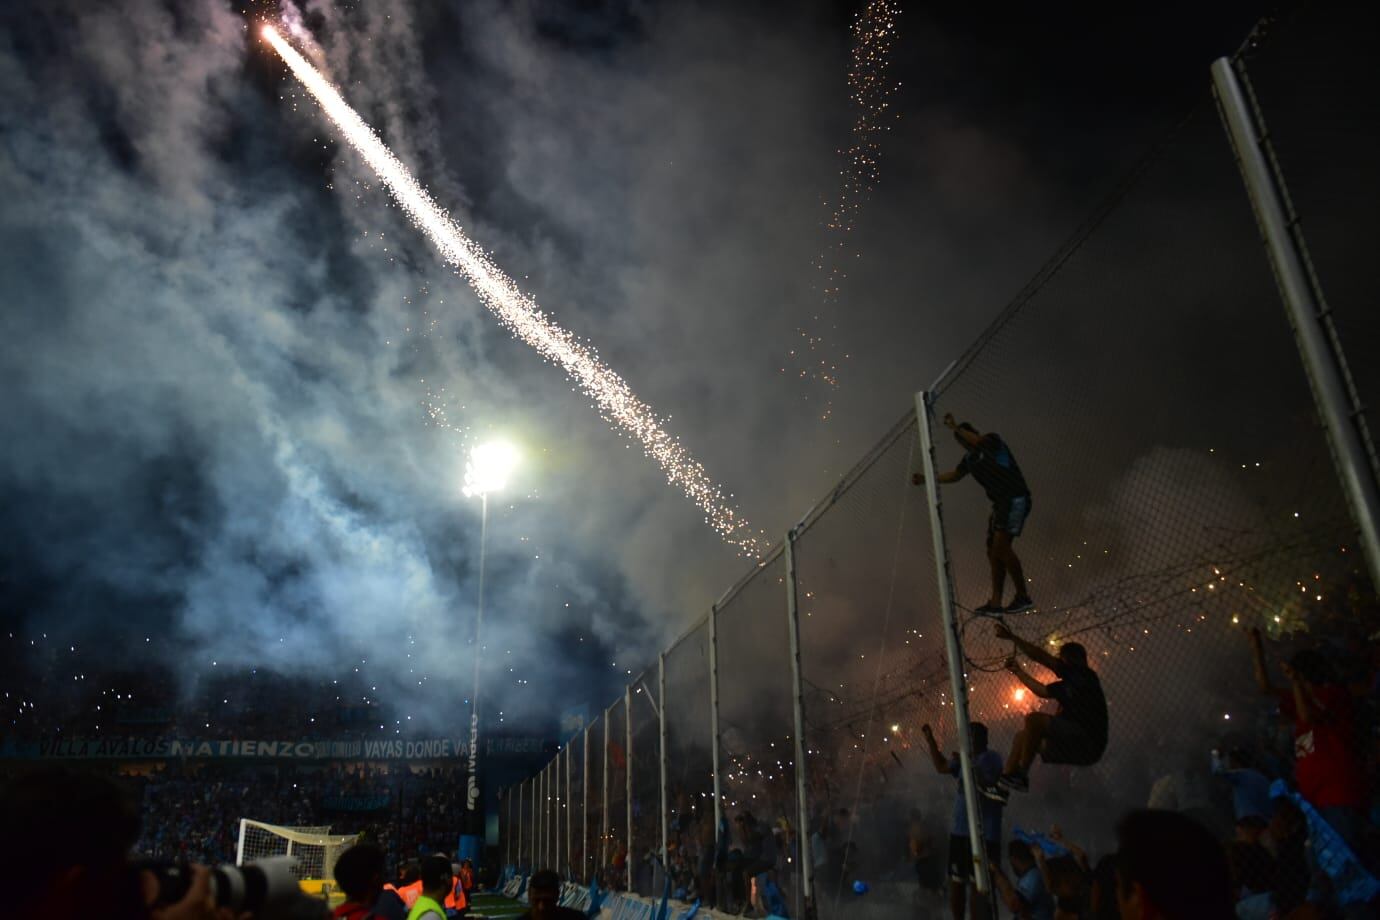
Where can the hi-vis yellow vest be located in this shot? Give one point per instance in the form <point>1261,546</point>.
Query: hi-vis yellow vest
<point>424,904</point>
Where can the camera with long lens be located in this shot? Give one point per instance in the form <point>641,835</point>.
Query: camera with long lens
<point>240,888</point>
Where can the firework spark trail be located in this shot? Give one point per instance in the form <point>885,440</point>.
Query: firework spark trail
<point>870,87</point>
<point>520,314</point>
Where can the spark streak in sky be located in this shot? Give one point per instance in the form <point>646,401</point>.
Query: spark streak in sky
<point>519,313</point>
<point>869,89</point>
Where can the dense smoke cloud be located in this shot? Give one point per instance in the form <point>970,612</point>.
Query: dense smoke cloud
<point>219,338</point>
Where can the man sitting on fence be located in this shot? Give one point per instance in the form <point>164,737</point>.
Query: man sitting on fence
<point>994,467</point>
<point>1077,732</point>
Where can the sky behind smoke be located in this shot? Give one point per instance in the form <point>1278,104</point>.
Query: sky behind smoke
<point>219,338</point>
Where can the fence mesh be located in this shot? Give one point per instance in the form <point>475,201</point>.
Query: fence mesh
<point>1182,496</point>
<point>690,767</point>
<point>594,822</point>
<point>1177,519</point>
<point>874,671</point>
<point>1320,97</point>
<point>615,859</point>
<point>576,831</point>
<point>646,786</point>
<point>756,738</point>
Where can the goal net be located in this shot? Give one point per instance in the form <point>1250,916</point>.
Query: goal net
<point>315,848</point>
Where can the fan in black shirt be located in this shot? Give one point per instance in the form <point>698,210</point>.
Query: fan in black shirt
<point>994,467</point>
<point>1077,733</point>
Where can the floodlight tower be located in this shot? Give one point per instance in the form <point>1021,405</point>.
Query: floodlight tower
<point>488,469</point>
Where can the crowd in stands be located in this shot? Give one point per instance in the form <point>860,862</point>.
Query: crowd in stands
<point>1286,811</point>
<point>192,814</point>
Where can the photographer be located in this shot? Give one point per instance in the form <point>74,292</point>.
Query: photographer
<point>77,833</point>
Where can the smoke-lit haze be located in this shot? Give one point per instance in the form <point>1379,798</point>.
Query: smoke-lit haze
<point>224,353</point>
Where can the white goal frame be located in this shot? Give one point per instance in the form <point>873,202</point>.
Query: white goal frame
<point>332,844</point>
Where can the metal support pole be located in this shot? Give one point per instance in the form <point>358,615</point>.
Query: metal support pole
<point>802,803</point>
<point>532,827</point>
<point>473,807</point>
<point>714,726</point>
<point>604,810</point>
<point>556,806</point>
<point>522,792</point>
<point>628,863</point>
<point>958,680</point>
<point>584,809</point>
<point>1334,392</point>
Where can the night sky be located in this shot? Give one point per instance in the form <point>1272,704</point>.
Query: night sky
<point>222,351</point>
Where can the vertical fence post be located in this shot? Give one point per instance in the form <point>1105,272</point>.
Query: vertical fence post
<point>1334,393</point>
<point>628,863</point>
<point>541,821</point>
<point>522,795</point>
<point>958,680</point>
<point>584,809</point>
<point>570,855</point>
<point>547,815</point>
<point>604,811</point>
<point>714,736</point>
<point>559,813</point>
<point>798,714</point>
<point>661,740</point>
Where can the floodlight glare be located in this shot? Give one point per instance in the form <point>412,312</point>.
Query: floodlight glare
<point>489,467</point>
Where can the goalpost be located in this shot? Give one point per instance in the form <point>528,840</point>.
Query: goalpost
<point>315,848</point>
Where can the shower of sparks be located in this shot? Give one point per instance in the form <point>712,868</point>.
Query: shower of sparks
<point>870,87</point>
<point>519,313</point>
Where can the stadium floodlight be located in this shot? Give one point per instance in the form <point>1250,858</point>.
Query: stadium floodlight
<point>488,470</point>
<point>489,467</point>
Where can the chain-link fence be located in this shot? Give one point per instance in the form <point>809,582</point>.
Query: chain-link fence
<point>1160,594</point>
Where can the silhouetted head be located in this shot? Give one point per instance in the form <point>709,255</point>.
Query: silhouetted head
<point>436,877</point>
<point>978,732</point>
<point>1073,653</point>
<point>543,893</point>
<point>1170,866</point>
<point>359,872</point>
<point>44,873</point>
<point>966,435</point>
